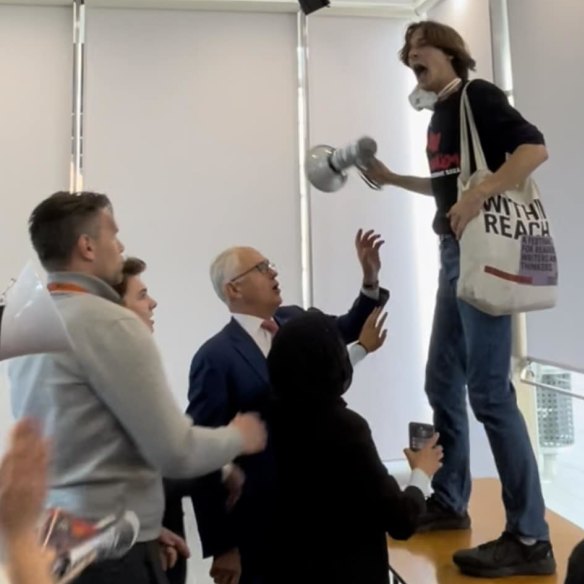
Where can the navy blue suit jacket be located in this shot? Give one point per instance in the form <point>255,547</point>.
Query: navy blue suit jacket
<point>228,375</point>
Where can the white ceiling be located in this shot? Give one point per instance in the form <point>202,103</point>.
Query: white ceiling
<point>385,8</point>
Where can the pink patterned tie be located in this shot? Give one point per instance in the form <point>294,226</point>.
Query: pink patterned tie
<point>271,326</point>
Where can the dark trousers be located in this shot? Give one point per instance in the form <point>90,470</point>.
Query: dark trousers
<point>178,573</point>
<point>469,347</point>
<point>141,565</point>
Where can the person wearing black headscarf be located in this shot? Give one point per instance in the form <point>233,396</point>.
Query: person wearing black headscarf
<point>334,499</point>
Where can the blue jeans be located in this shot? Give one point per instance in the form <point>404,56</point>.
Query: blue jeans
<point>469,347</point>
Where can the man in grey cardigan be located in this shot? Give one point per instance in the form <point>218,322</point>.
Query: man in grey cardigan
<point>114,426</point>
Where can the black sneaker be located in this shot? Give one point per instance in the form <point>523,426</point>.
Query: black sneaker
<point>507,556</point>
<point>439,518</point>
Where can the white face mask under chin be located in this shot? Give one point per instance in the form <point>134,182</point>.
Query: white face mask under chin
<point>421,99</point>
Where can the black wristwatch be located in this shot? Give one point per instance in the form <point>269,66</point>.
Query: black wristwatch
<point>373,286</point>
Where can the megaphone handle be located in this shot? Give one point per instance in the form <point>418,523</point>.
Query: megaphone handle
<point>75,570</point>
<point>369,182</point>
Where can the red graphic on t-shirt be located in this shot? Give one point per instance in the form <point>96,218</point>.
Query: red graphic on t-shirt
<point>434,141</point>
<point>444,162</point>
<point>441,163</point>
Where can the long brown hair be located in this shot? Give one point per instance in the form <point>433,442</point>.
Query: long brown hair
<point>446,39</point>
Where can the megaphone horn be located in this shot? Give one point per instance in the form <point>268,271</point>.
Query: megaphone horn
<point>326,166</point>
<point>29,320</point>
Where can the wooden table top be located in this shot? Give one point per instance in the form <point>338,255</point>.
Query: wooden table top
<point>426,558</point>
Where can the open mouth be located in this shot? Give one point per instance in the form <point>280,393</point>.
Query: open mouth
<point>276,288</point>
<point>419,70</point>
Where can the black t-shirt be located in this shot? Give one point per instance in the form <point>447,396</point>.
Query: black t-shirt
<point>501,130</point>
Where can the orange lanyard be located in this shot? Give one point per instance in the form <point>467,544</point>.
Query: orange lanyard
<point>63,287</point>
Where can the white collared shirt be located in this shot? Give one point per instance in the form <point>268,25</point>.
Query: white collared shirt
<point>252,325</point>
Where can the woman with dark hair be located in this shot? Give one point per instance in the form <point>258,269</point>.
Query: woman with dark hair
<point>334,499</point>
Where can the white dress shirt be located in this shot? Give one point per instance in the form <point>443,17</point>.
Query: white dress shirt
<point>420,479</point>
<point>252,325</point>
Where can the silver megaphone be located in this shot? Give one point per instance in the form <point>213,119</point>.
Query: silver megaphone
<point>29,320</point>
<point>325,166</point>
<point>113,541</point>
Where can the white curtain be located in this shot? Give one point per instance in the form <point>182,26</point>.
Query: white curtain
<point>547,54</point>
<point>191,129</point>
<point>35,122</point>
<point>358,87</point>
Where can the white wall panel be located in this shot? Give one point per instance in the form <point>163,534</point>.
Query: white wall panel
<point>358,87</point>
<point>35,117</point>
<point>471,19</point>
<point>191,129</point>
<point>547,55</point>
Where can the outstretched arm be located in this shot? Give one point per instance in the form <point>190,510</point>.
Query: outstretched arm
<point>380,174</point>
<point>367,245</point>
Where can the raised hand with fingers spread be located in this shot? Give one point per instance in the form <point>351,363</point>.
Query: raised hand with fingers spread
<point>373,333</point>
<point>368,244</point>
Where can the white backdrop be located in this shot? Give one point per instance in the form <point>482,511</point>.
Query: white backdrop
<point>191,128</point>
<point>35,114</point>
<point>358,87</point>
<point>471,19</point>
<point>547,54</point>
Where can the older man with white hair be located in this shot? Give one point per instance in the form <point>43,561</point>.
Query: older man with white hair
<point>228,374</point>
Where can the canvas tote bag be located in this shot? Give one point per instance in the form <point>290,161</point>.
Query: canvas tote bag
<point>508,261</point>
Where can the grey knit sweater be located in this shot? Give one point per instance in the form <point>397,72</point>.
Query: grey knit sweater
<point>114,426</point>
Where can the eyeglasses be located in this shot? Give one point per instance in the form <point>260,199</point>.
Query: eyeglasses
<point>263,267</point>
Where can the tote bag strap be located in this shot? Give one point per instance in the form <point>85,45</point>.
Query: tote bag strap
<point>467,123</point>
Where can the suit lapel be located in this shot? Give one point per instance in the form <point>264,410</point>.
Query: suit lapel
<point>248,349</point>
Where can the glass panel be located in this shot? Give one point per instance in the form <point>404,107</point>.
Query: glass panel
<point>560,420</point>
